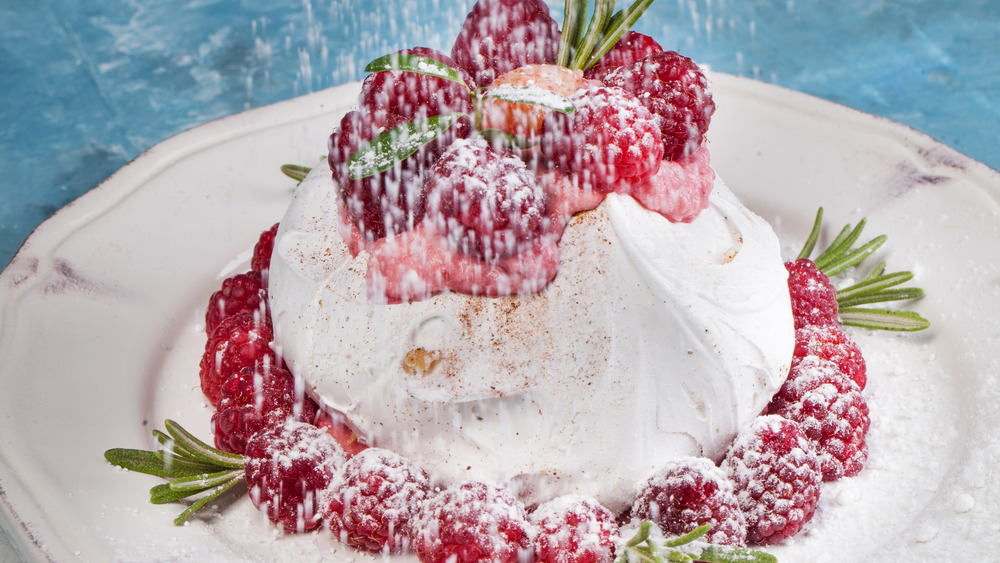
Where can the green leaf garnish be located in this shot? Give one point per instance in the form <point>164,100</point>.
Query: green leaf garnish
<point>642,548</point>
<point>621,22</point>
<point>883,319</point>
<point>531,95</point>
<point>580,46</point>
<point>603,10</point>
<point>876,287</point>
<point>415,63</point>
<point>395,145</point>
<point>295,171</point>
<point>192,466</point>
<point>573,28</point>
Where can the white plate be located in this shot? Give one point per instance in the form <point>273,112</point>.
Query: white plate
<point>101,319</point>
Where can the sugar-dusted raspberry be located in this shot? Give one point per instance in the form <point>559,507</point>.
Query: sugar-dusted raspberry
<point>372,500</point>
<point>501,35</point>
<point>688,493</point>
<point>680,189</point>
<point>676,91</point>
<point>240,341</point>
<point>486,204</point>
<point>391,201</point>
<point>630,48</point>
<point>608,142</point>
<point>830,410</point>
<point>574,529</point>
<point>288,467</point>
<point>239,294</point>
<point>777,477</point>
<point>261,260</point>
<point>254,398</point>
<point>814,300</point>
<point>414,95</point>
<point>831,343</point>
<point>337,425</point>
<point>471,521</point>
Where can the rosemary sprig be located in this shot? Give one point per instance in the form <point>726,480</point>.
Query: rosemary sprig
<point>192,466</point>
<point>642,548</point>
<point>580,46</point>
<point>296,172</point>
<point>877,287</point>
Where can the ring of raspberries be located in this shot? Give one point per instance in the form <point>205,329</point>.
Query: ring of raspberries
<point>517,132</point>
<point>304,469</point>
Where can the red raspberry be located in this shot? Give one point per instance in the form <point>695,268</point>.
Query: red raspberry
<point>254,398</point>
<point>676,91</point>
<point>688,493</point>
<point>287,468</point>
<point>242,293</point>
<point>831,343</point>
<point>830,410</point>
<point>242,340</point>
<point>574,529</point>
<point>501,35</point>
<point>630,48</point>
<point>391,201</point>
<point>336,425</point>
<point>814,300</point>
<point>609,141</point>
<point>261,260</point>
<point>414,95</point>
<point>471,521</point>
<point>372,500</point>
<point>777,478</point>
<point>485,203</point>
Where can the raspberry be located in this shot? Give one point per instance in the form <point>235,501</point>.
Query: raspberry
<point>261,260</point>
<point>414,95</point>
<point>831,343</point>
<point>471,521</point>
<point>609,141</point>
<point>688,493</point>
<point>372,500</point>
<point>830,410</point>
<point>242,340</point>
<point>501,35</point>
<point>574,529</point>
<point>239,294</point>
<point>777,478</point>
<point>254,398</point>
<point>391,201</point>
<point>485,203</point>
<point>336,425</point>
<point>814,300</point>
<point>679,190</point>
<point>676,92</point>
<point>287,469</point>
<point>631,47</point>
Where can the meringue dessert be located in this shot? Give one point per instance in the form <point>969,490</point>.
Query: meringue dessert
<point>655,340</point>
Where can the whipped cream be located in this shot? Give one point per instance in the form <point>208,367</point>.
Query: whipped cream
<point>655,340</point>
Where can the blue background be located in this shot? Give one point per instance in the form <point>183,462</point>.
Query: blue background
<point>89,85</point>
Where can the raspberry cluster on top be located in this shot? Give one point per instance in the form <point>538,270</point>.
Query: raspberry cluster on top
<point>460,172</point>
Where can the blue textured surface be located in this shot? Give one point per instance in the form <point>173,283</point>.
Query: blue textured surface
<point>87,86</point>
